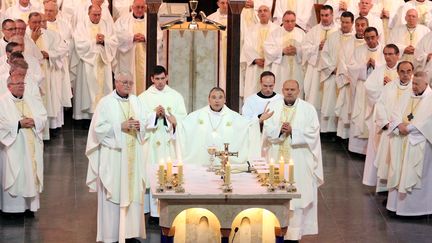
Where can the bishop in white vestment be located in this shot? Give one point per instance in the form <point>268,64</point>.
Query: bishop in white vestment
<point>96,46</point>
<point>116,169</point>
<point>23,118</point>
<point>293,132</point>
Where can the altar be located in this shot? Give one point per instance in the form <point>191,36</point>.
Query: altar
<point>224,212</point>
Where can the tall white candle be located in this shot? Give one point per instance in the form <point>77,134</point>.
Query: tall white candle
<point>228,173</point>
<point>169,170</point>
<point>180,173</point>
<point>271,174</point>
<point>281,169</point>
<point>291,171</point>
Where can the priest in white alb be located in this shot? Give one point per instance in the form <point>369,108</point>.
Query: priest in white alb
<point>96,46</point>
<point>116,169</point>
<point>21,148</point>
<point>303,9</point>
<point>394,94</point>
<point>294,133</point>
<point>407,36</point>
<point>8,30</point>
<point>253,52</point>
<point>423,7</point>
<point>333,52</point>
<point>365,7</point>
<point>311,53</point>
<point>56,91</point>
<point>22,9</point>
<point>366,58</point>
<point>283,52</point>
<point>413,194</point>
<point>131,31</point>
<point>340,6</point>
<point>166,107</point>
<point>214,125</point>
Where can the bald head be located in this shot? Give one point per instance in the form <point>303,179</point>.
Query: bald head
<point>51,10</point>
<point>290,91</point>
<point>95,13</point>
<point>264,14</point>
<point>411,18</point>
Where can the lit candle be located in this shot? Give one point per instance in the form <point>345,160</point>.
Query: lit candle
<point>227,173</point>
<point>281,169</point>
<point>271,174</point>
<point>169,170</point>
<point>180,173</point>
<point>291,171</point>
<point>161,172</point>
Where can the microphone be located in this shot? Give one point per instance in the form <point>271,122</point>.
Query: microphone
<point>235,232</point>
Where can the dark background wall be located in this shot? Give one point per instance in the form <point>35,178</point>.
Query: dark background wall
<point>208,6</point>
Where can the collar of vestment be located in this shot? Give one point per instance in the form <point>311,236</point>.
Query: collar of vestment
<point>401,85</point>
<point>222,15</point>
<point>373,49</point>
<point>5,40</point>
<point>153,89</point>
<point>392,68</point>
<point>138,18</point>
<point>425,93</point>
<point>292,105</point>
<point>25,9</point>
<point>15,98</point>
<point>261,95</point>
<point>358,38</point>
<point>328,27</point>
<point>217,113</point>
<point>119,97</point>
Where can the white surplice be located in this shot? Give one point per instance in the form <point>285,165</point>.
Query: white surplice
<point>116,169</point>
<point>285,67</point>
<point>21,153</point>
<point>303,146</point>
<point>160,142</point>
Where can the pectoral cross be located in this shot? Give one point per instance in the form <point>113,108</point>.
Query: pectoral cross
<point>224,155</point>
<point>410,116</point>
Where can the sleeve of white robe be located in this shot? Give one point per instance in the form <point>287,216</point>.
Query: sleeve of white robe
<point>310,49</point>
<point>273,47</point>
<point>249,48</point>
<point>328,57</point>
<point>124,35</point>
<point>422,51</point>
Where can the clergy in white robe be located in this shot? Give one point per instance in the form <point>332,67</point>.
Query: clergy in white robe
<point>304,10</point>
<point>131,31</point>
<point>116,169</point>
<point>81,11</point>
<point>214,125</point>
<point>8,30</point>
<point>311,53</point>
<point>283,52</point>
<point>56,91</point>
<point>58,23</point>
<point>96,45</point>
<point>407,36</point>
<point>332,53</point>
<point>423,8</point>
<point>23,118</point>
<point>22,9</point>
<point>366,58</point>
<point>253,52</point>
<point>166,108</point>
<point>387,11</point>
<point>365,7</point>
<point>394,94</point>
<point>30,48</point>
<point>221,17</point>
<point>413,194</point>
<point>293,132</point>
<point>423,55</point>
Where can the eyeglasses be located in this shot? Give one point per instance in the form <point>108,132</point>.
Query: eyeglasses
<point>18,84</point>
<point>127,83</point>
<point>10,29</point>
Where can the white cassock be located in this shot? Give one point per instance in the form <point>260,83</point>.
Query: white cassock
<point>121,7</point>
<point>19,12</point>
<point>311,58</point>
<point>413,195</point>
<point>253,48</point>
<point>56,90</point>
<point>392,6</point>
<point>285,67</point>
<point>160,140</point>
<point>404,37</point>
<point>94,73</point>
<point>361,110</point>
<point>304,148</point>
<point>131,56</point>
<point>423,10</point>
<point>21,153</point>
<point>206,128</point>
<point>303,11</point>
<point>116,169</point>
<point>332,53</point>
<point>221,19</point>
<point>394,94</point>
<point>422,50</point>
<point>374,85</point>
<point>343,106</point>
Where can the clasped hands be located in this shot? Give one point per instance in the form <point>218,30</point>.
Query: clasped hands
<point>100,39</point>
<point>290,50</point>
<point>139,38</point>
<point>160,113</point>
<point>130,125</point>
<point>27,122</point>
<point>403,129</point>
<point>286,128</point>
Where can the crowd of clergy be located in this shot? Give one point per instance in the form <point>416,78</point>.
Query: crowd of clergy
<point>362,74</point>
